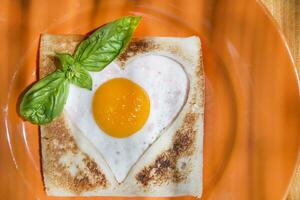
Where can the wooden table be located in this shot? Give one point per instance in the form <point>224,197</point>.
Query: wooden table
<point>285,12</point>
<point>287,16</point>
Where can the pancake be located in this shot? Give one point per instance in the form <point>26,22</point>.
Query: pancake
<point>171,165</point>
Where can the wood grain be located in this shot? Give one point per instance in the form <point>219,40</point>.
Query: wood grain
<point>252,92</point>
<point>287,16</point>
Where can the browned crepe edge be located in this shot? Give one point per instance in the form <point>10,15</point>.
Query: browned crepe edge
<point>56,137</point>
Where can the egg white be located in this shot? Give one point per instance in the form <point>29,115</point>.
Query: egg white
<point>166,84</point>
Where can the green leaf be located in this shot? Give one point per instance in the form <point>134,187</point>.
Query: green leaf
<point>79,76</point>
<point>106,43</point>
<point>45,100</point>
<point>74,72</point>
<point>66,60</point>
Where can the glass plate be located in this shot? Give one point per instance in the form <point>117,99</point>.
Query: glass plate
<point>252,107</point>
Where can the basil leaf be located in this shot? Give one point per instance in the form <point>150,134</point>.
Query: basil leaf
<point>66,60</point>
<point>74,72</point>
<point>79,76</point>
<point>45,100</point>
<point>106,43</point>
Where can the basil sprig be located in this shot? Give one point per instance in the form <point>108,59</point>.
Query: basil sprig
<point>45,100</point>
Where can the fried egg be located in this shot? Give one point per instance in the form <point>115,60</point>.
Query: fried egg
<point>128,107</point>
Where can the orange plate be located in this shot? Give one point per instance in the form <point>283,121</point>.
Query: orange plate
<point>252,106</point>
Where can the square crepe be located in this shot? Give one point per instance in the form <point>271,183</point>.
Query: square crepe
<point>76,164</point>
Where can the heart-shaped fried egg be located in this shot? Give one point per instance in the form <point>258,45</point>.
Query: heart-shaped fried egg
<point>128,107</point>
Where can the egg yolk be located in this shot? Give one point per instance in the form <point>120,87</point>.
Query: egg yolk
<point>120,107</point>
